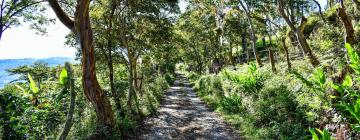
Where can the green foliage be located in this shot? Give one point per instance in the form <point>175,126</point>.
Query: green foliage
<point>170,78</point>
<point>324,135</point>
<point>12,107</point>
<point>63,77</point>
<point>269,111</point>
<point>33,86</point>
<point>231,104</point>
<point>251,81</point>
<point>354,58</point>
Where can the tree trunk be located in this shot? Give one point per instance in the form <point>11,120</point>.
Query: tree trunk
<point>132,91</point>
<point>298,31</point>
<point>114,94</point>
<point>245,49</point>
<point>253,37</point>
<point>286,50</point>
<point>295,44</point>
<point>272,61</point>
<point>92,89</point>
<point>70,87</point>
<point>330,3</point>
<point>341,12</point>
<point>306,49</point>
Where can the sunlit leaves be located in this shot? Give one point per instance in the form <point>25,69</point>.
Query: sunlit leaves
<point>324,134</point>
<point>63,76</point>
<point>353,57</point>
<point>32,85</point>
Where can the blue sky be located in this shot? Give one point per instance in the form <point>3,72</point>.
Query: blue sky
<point>21,42</point>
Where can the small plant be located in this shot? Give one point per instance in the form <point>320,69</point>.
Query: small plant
<point>324,135</point>
<point>231,104</point>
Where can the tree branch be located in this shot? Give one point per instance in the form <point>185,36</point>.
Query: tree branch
<point>320,12</point>
<point>65,19</point>
<point>285,17</point>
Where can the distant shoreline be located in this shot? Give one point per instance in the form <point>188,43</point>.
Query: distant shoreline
<point>5,64</point>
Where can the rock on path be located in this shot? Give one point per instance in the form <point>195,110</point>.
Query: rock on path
<point>183,116</point>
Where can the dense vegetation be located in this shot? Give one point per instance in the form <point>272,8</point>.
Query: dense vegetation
<point>275,69</point>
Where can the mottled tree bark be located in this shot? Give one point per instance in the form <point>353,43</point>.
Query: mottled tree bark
<point>91,87</point>
<point>346,20</point>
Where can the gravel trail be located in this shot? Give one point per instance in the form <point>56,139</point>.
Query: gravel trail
<point>183,116</point>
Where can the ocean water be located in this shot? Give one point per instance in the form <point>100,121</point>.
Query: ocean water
<point>13,63</point>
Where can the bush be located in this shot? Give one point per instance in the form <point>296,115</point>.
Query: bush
<point>170,78</point>
<point>231,104</point>
<point>260,106</point>
<point>249,81</point>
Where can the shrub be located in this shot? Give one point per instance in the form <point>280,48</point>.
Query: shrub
<point>231,104</point>
<point>170,78</point>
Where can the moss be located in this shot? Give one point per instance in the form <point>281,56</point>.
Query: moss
<point>312,22</point>
<point>330,14</point>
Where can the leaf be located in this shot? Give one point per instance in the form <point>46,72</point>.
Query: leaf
<point>320,76</point>
<point>354,57</point>
<point>313,134</point>
<point>352,112</point>
<point>32,85</point>
<point>63,76</point>
<point>326,135</point>
<point>321,132</point>
<point>332,96</point>
<point>337,88</point>
<point>355,127</point>
<point>357,106</point>
<point>347,81</point>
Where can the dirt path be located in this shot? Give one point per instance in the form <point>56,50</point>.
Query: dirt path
<point>183,116</point>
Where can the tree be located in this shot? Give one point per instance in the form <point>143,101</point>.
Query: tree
<point>341,12</point>
<point>299,33</point>
<point>30,10</point>
<point>105,39</point>
<point>81,26</point>
<point>246,9</point>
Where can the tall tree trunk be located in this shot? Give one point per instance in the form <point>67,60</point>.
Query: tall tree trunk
<point>299,34</point>
<point>71,88</point>
<point>330,3</point>
<point>245,48</point>
<point>253,37</point>
<point>109,57</point>
<point>132,96</point>
<point>91,87</point>
<point>271,53</point>
<point>272,61</point>
<point>306,49</point>
<point>341,12</point>
<point>230,55</point>
<point>131,80</point>
<point>295,44</point>
<point>286,50</point>
<point>1,31</point>
<point>114,94</point>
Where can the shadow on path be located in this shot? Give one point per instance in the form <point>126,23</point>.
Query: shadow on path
<point>183,116</point>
